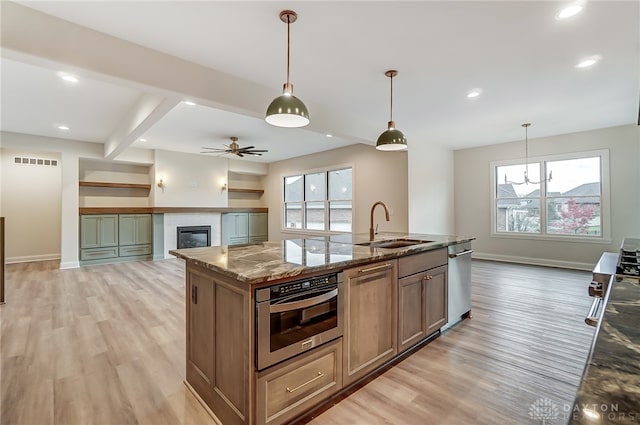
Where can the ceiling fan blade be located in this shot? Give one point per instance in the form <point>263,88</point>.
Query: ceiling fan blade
<point>239,154</point>
<point>213,149</point>
<point>253,153</point>
<point>259,150</point>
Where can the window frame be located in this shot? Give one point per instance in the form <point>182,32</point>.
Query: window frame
<point>605,198</point>
<point>326,201</point>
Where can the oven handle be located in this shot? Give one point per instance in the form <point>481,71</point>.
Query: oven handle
<point>309,302</point>
<point>592,319</point>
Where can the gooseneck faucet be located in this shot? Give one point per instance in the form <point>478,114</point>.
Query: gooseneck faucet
<point>386,213</point>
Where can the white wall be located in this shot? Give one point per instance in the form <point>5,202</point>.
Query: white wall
<point>70,152</point>
<point>377,176</point>
<point>190,180</point>
<point>31,205</point>
<point>473,196</point>
<point>431,200</point>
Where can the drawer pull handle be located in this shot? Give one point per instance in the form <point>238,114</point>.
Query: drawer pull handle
<point>375,269</point>
<point>318,376</point>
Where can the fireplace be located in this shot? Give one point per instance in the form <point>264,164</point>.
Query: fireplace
<point>194,236</point>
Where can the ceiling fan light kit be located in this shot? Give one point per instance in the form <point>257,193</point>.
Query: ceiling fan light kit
<point>287,110</point>
<point>391,139</point>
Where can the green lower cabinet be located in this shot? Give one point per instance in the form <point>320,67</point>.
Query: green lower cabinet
<point>243,228</point>
<point>107,238</point>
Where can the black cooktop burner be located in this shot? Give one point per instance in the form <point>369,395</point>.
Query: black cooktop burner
<point>629,260</point>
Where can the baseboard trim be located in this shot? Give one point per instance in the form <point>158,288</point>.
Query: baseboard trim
<point>533,261</point>
<point>32,258</point>
<point>69,265</point>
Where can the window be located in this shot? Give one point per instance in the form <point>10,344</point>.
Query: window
<point>319,200</point>
<point>572,204</point>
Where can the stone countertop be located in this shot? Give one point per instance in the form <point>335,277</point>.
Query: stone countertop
<point>275,260</point>
<point>609,392</point>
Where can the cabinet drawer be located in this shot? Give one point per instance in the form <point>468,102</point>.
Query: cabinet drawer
<point>98,253</point>
<point>420,262</point>
<point>289,389</point>
<point>129,250</point>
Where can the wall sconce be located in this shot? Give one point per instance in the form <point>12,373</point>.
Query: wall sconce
<point>161,184</point>
<point>224,186</point>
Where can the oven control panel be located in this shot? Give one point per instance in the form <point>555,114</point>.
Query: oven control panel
<point>303,285</point>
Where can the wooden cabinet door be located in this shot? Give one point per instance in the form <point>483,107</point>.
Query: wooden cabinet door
<point>235,228</point>
<point>97,231</point>
<point>144,232</point>
<point>370,318</point>
<point>127,230</point>
<point>200,326</point>
<point>109,230</point>
<point>411,310</point>
<point>90,231</point>
<point>258,225</point>
<point>436,299</point>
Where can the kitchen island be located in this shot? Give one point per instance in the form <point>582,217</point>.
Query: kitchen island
<point>381,299</point>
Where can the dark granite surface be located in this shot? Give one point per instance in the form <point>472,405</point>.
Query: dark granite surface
<point>274,260</point>
<point>609,392</point>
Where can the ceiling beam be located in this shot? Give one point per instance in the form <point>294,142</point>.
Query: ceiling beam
<point>118,61</point>
<point>147,111</point>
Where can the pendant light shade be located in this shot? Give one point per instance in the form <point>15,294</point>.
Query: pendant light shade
<point>287,110</point>
<point>391,139</point>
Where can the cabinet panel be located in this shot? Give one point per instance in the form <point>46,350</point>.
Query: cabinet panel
<point>109,230</point>
<point>200,355</point>
<point>127,230</point>
<point>423,261</point>
<point>144,229</point>
<point>287,390</point>
<point>98,253</point>
<point>411,311</point>
<point>90,231</point>
<point>131,250</point>
<point>98,231</point>
<point>135,229</point>
<point>258,225</point>
<point>370,318</point>
<point>436,299</point>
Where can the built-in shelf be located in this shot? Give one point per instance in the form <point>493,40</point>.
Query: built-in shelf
<point>115,185</point>
<point>236,190</point>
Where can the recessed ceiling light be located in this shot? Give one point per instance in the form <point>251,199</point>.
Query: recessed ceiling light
<point>329,135</point>
<point>68,77</point>
<point>569,11</point>
<point>142,140</point>
<point>590,61</point>
<point>190,103</point>
<point>63,127</point>
<point>474,93</point>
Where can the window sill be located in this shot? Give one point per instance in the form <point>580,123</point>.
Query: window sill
<point>303,232</point>
<point>553,238</point>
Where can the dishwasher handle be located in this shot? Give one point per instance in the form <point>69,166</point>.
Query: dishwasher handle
<point>461,253</point>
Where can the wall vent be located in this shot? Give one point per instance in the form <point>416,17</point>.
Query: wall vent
<point>23,160</point>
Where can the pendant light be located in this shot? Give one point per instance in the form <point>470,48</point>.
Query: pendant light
<point>287,110</point>
<point>526,162</point>
<point>392,139</point>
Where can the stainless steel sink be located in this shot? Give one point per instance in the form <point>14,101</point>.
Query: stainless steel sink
<point>393,243</point>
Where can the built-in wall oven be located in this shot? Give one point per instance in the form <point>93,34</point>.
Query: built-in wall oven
<point>294,317</point>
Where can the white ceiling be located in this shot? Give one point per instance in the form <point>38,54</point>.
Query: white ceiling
<point>521,57</point>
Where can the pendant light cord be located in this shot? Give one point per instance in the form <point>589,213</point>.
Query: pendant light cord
<point>391,103</point>
<point>526,151</point>
<point>288,46</point>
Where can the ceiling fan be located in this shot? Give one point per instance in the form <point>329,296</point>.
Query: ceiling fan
<point>235,149</point>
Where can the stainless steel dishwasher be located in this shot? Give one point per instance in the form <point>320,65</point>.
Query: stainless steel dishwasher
<point>459,283</point>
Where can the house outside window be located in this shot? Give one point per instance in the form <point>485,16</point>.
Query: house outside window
<point>319,201</point>
<point>573,204</point>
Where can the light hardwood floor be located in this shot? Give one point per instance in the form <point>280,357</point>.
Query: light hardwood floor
<point>105,345</point>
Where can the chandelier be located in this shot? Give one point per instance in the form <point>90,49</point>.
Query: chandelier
<point>526,170</point>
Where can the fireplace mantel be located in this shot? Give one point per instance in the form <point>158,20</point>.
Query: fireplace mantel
<point>166,210</point>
